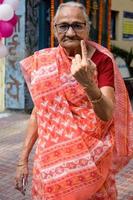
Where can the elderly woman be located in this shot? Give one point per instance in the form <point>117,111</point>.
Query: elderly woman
<point>75,88</point>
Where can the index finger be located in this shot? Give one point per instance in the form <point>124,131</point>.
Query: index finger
<point>83,50</point>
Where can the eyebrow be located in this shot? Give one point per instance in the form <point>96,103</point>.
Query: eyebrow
<point>66,22</point>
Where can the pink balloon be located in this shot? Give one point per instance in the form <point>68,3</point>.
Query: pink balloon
<point>1,1</point>
<point>6,29</point>
<point>6,12</point>
<point>13,3</point>
<point>14,20</point>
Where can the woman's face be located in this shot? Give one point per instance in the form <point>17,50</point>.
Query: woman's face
<point>69,37</point>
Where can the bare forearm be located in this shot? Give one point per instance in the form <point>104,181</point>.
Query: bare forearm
<point>103,108</point>
<point>30,139</point>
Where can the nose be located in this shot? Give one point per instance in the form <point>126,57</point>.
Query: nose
<point>70,32</point>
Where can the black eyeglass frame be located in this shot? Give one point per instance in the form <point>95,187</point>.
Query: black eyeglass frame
<point>70,25</point>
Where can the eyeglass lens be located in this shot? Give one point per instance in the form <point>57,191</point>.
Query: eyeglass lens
<point>63,27</point>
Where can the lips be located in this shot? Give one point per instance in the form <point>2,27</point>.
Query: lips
<point>70,40</point>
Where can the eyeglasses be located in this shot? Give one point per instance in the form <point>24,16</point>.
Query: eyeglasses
<point>76,26</point>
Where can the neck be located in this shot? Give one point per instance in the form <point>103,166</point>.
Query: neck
<point>73,52</point>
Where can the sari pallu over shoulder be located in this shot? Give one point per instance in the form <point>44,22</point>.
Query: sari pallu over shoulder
<point>123,116</point>
<point>37,68</point>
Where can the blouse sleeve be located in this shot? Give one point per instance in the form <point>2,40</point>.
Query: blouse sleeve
<point>106,73</point>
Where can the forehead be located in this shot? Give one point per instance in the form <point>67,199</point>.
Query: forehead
<point>70,14</point>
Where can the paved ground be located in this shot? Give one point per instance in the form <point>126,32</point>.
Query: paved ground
<point>12,132</point>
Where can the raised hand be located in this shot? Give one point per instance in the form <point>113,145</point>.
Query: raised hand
<point>82,68</point>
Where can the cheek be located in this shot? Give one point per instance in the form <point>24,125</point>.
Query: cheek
<point>83,35</point>
<point>86,35</point>
<point>58,36</point>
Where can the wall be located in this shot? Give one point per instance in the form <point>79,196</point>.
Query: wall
<point>14,91</point>
<point>121,5</point>
<point>2,84</point>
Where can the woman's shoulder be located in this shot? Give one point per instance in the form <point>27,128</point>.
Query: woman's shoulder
<point>45,51</point>
<point>100,57</point>
<point>101,51</point>
<point>44,56</point>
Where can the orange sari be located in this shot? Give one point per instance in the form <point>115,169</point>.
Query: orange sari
<point>74,158</point>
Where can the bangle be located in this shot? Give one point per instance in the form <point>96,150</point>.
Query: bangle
<point>19,165</point>
<point>95,101</point>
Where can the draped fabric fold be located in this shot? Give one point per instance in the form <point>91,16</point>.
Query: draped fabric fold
<point>123,117</point>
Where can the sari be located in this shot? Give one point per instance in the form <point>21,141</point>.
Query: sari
<point>77,153</point>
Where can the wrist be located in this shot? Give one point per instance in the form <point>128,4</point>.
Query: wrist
<point>97,100</point>
<point>93,92</point>
<point>24,155</point>
<point>22,163</point>
<point>23,159</point>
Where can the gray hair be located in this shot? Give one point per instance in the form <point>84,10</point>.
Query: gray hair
<point>73,4</point>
